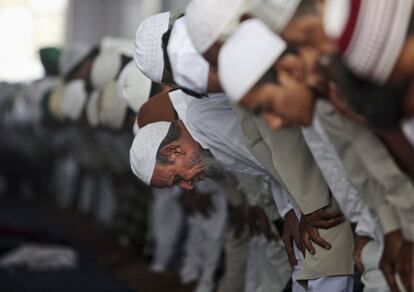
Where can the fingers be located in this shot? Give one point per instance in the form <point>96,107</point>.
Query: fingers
<point>298,240</point>
<point>319,240</point>
<point>358,262</point>
<point>405,270</point>
<point>326,224</point>
<point>289,251</point>
<point>275,122</point>
<point>307,243</point>
<point>389,273</point>
<point>331,215</point>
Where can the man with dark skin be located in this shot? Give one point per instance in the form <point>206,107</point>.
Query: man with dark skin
<point>294,65</point>
<point>160,108</point>
<point>322,218</point>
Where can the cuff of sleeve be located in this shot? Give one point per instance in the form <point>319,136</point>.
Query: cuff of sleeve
<point>310,206</point>
<point>407,223</point>
<point>285,210</point>
<point>388,218</point>
<point>366,227</point>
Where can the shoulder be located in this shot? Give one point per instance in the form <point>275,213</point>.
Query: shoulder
<point>212,108</point>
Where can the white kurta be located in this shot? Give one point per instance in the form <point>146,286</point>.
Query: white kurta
<point>351,204</point>
<point>206,235</point>
<point>212,123</point>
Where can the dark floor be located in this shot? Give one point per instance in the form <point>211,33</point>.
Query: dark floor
<point>103,264</point>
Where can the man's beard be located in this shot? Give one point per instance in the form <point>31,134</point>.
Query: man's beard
<point>212,168</point>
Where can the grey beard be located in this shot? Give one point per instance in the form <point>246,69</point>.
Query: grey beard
<point>212,168</point>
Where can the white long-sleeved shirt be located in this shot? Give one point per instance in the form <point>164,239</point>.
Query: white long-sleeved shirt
<point>351,204</point>
<point>213,125</point>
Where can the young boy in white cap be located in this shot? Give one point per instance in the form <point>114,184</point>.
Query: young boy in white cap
<point>165,54</point>
<point>190,70</point>
<point>235,90</point>
<point>150,48</point>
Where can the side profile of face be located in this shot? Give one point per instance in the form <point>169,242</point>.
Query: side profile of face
<point>187,163</point>
<point>289,102</point>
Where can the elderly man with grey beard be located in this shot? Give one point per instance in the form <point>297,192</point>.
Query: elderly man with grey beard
<point>164,154</point>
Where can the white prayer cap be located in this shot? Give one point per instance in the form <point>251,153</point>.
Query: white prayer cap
<point>73,99</point>
<point>92,114</point>
<point>112,111</point>
<point>368,49</point>
<point>189,68</point>
<point>123,46</point>
<point>143,152</point>
<point>275,13</point>
<point>208,20</point>
<point>149,55</point>
<point>246,56</point>
<point>105,68</point>
<point>133,87</point>
<point>72,56</point>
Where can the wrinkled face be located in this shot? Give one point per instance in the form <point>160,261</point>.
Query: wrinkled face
<point>188,164</point>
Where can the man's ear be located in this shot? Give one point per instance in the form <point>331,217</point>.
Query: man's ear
<point>171,151</point>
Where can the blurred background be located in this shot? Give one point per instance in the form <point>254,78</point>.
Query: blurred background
<point>72,215</point>
<point>28,25</point>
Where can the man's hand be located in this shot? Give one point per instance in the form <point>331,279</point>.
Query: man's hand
<point>361,242</point>
<point>392,247</point>
<point>405,264</point>
<point>291,233</point>
<point>238,218</point>
<point>310,223</point>
<point>259,223</point>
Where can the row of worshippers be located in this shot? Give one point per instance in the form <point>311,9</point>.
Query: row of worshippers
<point>71,132</point>
<point>298,109</point>
<point>68,142</point>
